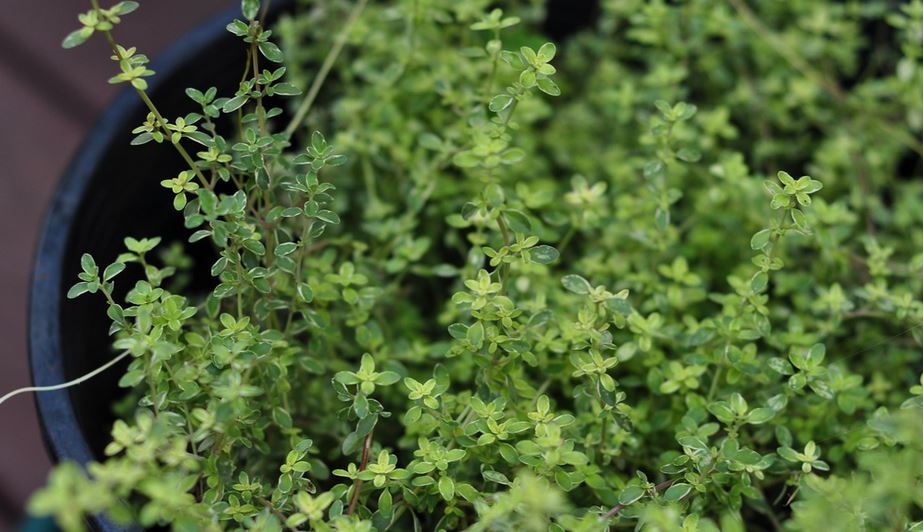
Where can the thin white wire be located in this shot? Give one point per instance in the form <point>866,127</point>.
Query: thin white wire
<point>68,384</point>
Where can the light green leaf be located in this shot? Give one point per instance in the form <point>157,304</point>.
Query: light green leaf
<point>77,37</point>
<point>760,239</point>
<point>271,51</point>
<point>576,284</point>
<point>447,488</point>
<point>677,491</point>
<point>630,494</point>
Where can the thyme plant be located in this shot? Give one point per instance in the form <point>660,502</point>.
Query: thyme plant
<point>521,286</point>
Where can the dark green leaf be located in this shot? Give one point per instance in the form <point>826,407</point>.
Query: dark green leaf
<point>543,254</point>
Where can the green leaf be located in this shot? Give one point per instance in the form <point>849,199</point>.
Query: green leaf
<point>677,491</point>
<point>546,52</point>
<point>722,411</point>
<point>238,28</point>
<point>500,102</point>
<point>346,377</point>
<point>285,248</point>
<point>496,476</point>
<point>387,378</point>
<point>88,264</point>
<point>328,216</point>
<point>760,239</point>
<point>788,454</point>
<point>800,219</point>
<point>305,292</point>
<point>760,415</point>
<point>351,442</point>
<point>235,103</point>
<point>282,418</point>
<point>693,442</point>
<point>385,503</point>
<point>652,168</point>
<point>664,107</point>
<point>287,89</point>
<point>508,452</point>
<point>365,425</point>
<point>475,335</point>
<point>131,378</point>
<point>759,282</point>
<point>543,254</point>
<point>630,494</point>
<point>815,356</point>
<point>576,284</point>
<point>254,246</point>
<point>527,78</point>
<point>548,87</point>
<point>112,270</point>
<point>77,37</point>
<point>361,405</point>
<point>124,8</point>
<point>179,201</point>
<point>738,404</point>
<point>494,195</point>
<point>467,491</point>
<point>447,488</point>
<point>518,221</point>
<point>689,154</point>
<point>77,290</point>
<point>271,51</point>
<point>250,8</point>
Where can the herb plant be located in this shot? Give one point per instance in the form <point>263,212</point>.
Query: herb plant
<point>529,287</point>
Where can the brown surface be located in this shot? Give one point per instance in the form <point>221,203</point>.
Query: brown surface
<point>49,99</point>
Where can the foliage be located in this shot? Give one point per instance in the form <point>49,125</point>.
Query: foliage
<point>548,288</point>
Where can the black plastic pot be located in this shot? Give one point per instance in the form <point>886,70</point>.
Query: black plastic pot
<point>111,190</point>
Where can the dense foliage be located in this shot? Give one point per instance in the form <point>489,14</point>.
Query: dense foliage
<point>533,287</point>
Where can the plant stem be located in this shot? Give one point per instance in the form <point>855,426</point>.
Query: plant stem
<point>357,485</point>
<point>714,383</point>
<point>562,245</point>
<point>179,148</point>
<point>463,415</point>
<point>150,105</point>
<point>302,253</point>
<point>279,515</point>
<point>771,515</point>
<point>503,230</point>
<point>325,68</point>
<point>493,67</point>
<point>260,112</point>
<point>149,377</point>
<point>412,34</point>
<point>509,115</point>
<point>540,391</point>
<point>504,267</point>
<point>240,279</point>
<point>263,12</point>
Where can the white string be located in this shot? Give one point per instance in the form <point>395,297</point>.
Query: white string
<point>74,382</point>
